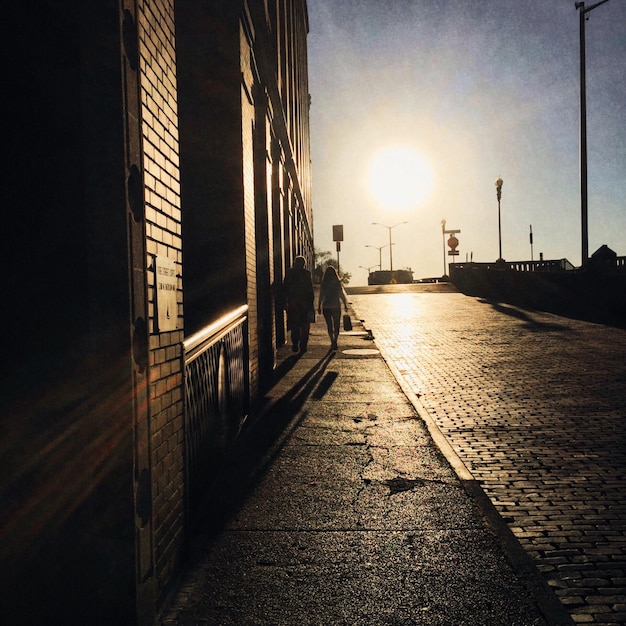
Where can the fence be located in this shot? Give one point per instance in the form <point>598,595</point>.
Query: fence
<point>216,400</point>
<point>596,293</point>
<point>556,265</point>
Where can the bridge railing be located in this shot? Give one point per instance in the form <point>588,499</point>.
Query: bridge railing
<point>216,399</point>
<point>555,265</point>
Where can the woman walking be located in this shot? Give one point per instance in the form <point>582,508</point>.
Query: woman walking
<point>331,297</point>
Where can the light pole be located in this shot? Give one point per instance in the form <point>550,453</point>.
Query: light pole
<point>443,238</point>
<point>580,6</point>
<point>380,256</point>
<point>389,228</point>
<point>453,242</point>
<point>368,270</point>
<point>499,195</point>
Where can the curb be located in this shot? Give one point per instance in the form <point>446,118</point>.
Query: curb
<point>523,565</point>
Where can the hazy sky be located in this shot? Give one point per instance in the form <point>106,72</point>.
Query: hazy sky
<point>479,89</point>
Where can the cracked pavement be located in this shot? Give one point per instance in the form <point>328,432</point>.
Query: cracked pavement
<point>338,507</point>
<point>534,405</point>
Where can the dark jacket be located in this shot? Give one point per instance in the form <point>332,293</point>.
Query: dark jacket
<point>298,290</point>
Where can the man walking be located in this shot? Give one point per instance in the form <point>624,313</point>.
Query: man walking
<point>299,303</point>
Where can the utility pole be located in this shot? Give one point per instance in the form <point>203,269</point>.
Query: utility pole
<point>580,6</point>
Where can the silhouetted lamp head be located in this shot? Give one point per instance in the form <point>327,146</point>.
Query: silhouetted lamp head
<point>499,187</point>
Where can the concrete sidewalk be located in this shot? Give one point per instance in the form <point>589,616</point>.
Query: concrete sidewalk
<point>340,506</point>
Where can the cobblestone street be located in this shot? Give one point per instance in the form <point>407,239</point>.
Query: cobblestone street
<point>535,407</point>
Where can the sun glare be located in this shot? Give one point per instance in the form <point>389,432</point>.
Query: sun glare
<point>400,177</point>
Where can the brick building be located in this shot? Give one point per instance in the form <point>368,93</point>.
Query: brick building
<point>158,187</point>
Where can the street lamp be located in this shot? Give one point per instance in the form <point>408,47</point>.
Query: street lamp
<point>583,132</point>
<point>499,195</point>
<point>389,228</point>
<point>380,256</point>
<point>443,237</point>
<point>453,242</point>
<point>368,270</point>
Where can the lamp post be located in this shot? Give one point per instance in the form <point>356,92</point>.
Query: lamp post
<point>380,256</point>
<point>389,228</point>
<point>453,242</point>
<point>499,195</point>
<point>368,270</point>
<point>443,238</point>
<point>580,6</point>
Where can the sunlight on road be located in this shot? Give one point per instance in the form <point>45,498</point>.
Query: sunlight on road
<point>403,305</point>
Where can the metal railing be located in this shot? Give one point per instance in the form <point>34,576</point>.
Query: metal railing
<point>557,265</point>
<point>216,399</point>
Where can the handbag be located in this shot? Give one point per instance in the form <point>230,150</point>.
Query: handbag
<point>311,316</point>
<point>347,322</point>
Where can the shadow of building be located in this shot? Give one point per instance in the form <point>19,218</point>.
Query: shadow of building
<point>595,293</point>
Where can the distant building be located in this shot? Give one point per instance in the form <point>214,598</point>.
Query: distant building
<point>387,277</point>
<point>603,259</point>
<point>157,187</point>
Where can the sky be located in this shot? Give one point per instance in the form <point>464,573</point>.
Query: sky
<point>464,91</point>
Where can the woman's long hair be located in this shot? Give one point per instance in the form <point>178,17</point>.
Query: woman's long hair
<point>330,275</point>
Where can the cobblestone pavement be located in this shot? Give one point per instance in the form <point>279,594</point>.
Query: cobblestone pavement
<point>535,407</point>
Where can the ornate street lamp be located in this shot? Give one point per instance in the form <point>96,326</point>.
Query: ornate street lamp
<point>389,228</point>
<point>499,195</point>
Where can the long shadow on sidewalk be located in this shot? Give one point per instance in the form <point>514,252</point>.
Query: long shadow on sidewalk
<point>264,435</point>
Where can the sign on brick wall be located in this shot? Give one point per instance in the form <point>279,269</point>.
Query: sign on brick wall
<point>166,284</point>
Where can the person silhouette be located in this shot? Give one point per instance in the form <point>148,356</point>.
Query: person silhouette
<point>329,303</point>
<point>299,297</point>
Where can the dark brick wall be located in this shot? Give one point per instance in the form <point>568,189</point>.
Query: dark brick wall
<point>159,443</point>
<point>138,129</point>
<point>245,163</point>
<point>66,531</point>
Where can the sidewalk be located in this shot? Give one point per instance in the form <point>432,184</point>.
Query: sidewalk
<point>534,405</point>
<point>339,507</point>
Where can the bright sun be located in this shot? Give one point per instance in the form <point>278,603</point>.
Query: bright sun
<point>400,177</point>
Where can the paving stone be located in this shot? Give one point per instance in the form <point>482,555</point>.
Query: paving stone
<point>534,405</point>
<point>337,507</point>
